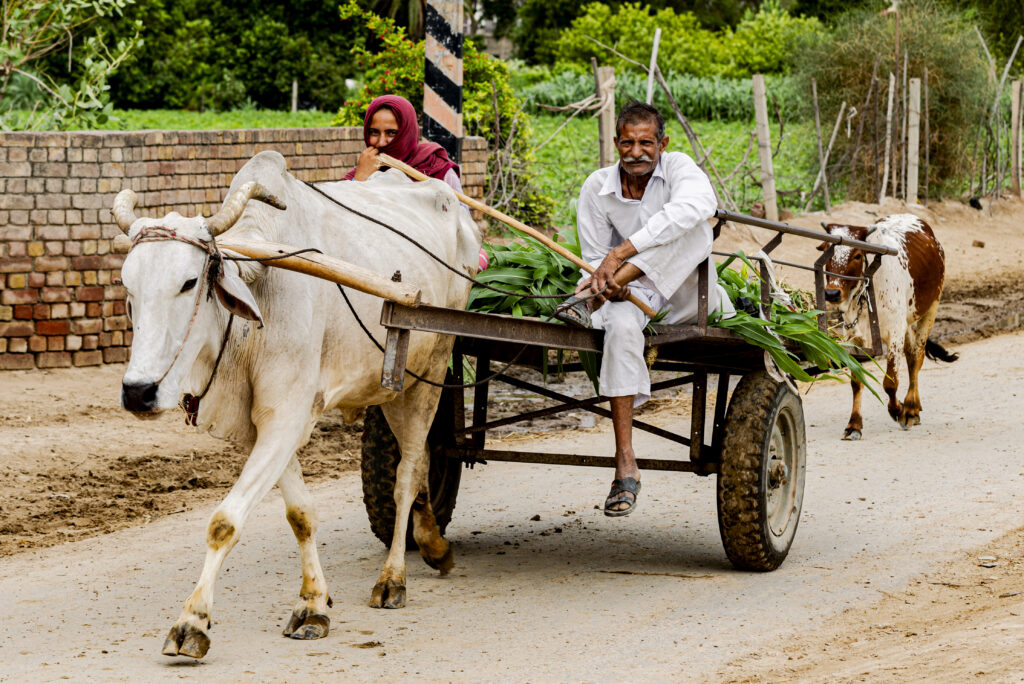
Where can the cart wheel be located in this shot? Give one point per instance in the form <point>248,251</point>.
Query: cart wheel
<point>380,457</point>
<point>761,480</point>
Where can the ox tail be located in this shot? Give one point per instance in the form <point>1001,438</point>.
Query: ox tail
<point>936,352</point>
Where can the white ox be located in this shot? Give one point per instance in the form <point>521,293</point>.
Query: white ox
<point>309,355</point>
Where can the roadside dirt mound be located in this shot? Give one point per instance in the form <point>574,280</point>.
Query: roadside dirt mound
<point>963,622</point>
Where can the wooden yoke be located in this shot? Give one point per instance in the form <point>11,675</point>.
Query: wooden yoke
<point>325,267</point>
<point>513,223</point>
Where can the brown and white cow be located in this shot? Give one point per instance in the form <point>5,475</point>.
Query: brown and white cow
<point>908,287</point>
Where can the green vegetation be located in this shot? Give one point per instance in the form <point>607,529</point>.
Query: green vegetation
<point>183,120</point>
<point>564,162</point>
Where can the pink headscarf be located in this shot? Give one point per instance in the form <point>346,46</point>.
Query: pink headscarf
<point>429,158</point>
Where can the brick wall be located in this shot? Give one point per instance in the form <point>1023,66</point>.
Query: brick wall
<point>60,304</point>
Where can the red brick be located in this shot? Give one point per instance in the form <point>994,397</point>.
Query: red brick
<point>59,311</point>
<point>93,310</point>
<point>59,359</point>
<point>36,279</point>
<point>116,323</point>
<point>14,297</point>
<point>54,343</point>
<point>87,326</point>
<point>115,354</point>
<point>16,329</point>
<point>41,312</point>
<point>87,358</point>
<point>89,294</point>
<point>53,233</point>
<point>17,362</point>
<point>56,294</point>
<point>53,327</point>
<point>119,307</point>
<point>90,342</point>
<point>15,265</point>
<point>113,261</point>
<point>23,312</point>
<point>17,345</point>
<point>85,232</point>
<point>17,249</point>
<point>86,263</point>
<point>52,263</point>
<point>37,343</point>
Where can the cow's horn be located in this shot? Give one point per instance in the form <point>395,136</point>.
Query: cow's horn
<point>235,204</point>
<point>124,209</point>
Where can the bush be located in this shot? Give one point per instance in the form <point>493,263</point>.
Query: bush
<point>685,46</point>
<point>764,42</point>
<point>934,36</point>
<point>490,108</point>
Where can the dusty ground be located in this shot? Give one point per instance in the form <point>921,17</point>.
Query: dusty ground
<point>75,465</point>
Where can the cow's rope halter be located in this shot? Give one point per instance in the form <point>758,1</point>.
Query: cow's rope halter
<point>860,298</point>
<point>211,270</point>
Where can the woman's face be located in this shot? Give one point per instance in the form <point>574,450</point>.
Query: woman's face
<point>383,128</point>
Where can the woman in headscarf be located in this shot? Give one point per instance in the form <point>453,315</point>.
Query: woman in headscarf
<point>390,126</point>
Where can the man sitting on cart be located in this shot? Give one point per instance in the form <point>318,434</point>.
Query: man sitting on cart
<point>643,223</point>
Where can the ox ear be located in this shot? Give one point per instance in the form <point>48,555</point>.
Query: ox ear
<point>235,295</point>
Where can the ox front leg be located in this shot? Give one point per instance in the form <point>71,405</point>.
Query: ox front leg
<point>309,620</point>
<point>856,424</point>
<point>910,412</point>
<point>410,417</point>
<point>274,449</point>
<point>891,382</point>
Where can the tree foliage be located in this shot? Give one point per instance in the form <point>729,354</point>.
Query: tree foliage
<point>225,53</point>
<point>394,64</point>
<point>33,34</point>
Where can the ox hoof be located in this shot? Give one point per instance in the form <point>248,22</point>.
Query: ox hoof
<point>307,624</point>
<point>851,435</point>
<point>186,639</point>
<point>444,563</point>
<point>389,594</point>
<point>908,421</point>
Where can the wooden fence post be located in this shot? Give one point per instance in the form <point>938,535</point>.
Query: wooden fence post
<point>927,140</point>
<point>604,87</point>
<point>913,139</point>
<point>821,150</point>
<point>888,138</point>
<point>764,149</point>
<point>1016,91</point>
<point>654,65</point>
<point>295,95</point>
<point>442,79</point>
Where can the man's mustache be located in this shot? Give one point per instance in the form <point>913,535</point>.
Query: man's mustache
<point>641,158</point>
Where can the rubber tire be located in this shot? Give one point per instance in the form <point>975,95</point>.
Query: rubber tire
<point>757,405</point>
<point>380,458</point>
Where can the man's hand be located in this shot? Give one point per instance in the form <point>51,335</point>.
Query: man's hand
<point>611,278</point>
<point>368,163</point>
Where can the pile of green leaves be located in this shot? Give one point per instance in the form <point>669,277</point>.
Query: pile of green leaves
<point>530,268</point>
<point>799,326</point>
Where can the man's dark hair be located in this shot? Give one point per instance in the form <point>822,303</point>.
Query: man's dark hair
<point>636,112</point>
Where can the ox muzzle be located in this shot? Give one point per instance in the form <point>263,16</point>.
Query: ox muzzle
<point>832,294</point>
<point>139,398</point>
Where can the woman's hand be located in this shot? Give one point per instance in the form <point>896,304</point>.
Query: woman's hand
<point>368,163</point>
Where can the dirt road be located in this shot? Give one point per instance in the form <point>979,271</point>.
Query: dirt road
<point>899,519</point>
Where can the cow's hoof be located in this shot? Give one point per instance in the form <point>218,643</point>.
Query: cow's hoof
<point>307,624</point>
<point>389,594</point>
<point>186,639</point>
<point>908,421</point>
<point>851,435</point>
<point>444,563</point>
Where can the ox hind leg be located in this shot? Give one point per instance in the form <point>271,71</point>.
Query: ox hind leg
<point>917,339</point>
<point>410,416</point>
<point>275,446</point>
<point>856,424</point>
<point>309,620</point>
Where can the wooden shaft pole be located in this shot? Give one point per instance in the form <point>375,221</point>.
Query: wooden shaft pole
<point>764,149</point>
<point>1015,135</point>
<point>325,267</point>
<point>913,139</point>
<point>509,221</point>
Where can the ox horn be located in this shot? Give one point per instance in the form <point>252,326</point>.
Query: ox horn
<point>124,209</point>
<point>235,204</point>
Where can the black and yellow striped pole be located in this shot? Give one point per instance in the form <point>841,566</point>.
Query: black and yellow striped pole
<point>442,83</point>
